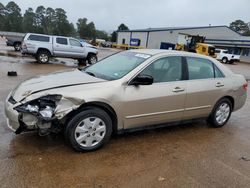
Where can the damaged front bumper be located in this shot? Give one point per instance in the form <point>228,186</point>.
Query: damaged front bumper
<point>20,118</point>
<point>12,116</point>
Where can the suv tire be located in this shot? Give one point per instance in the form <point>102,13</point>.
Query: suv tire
<point>43,56</point>
<point>92,58</point>
<point>224,60</point>
<point>81,62</point>
<point>17,46</point>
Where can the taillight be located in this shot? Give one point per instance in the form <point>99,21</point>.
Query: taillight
<point>24,45</point>
<point>245,85</point>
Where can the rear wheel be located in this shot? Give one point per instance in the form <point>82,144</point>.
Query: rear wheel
<point>17,46</point>
<point>221,113</point>
<point>92,58</point>
<point>43,56</point>
<point>224,60</point>
<point>89,130</point>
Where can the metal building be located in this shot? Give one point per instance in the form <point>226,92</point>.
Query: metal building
<point>165,38</point>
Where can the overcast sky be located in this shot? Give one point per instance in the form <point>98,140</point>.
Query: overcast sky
<point>139,14</point>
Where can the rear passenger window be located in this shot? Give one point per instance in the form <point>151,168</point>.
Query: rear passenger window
<point>39,38</point>
<point>199,68</point>
<point>167,69</point>
<point>218,73</point>
<point>62,41</point>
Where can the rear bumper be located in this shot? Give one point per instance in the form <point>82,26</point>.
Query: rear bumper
<point>240,101</point>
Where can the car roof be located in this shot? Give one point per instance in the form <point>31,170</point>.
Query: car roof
<point>165,52</point>
<point>157,51</point>
<point>154,52</point>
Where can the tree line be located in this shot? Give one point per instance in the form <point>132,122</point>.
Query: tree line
<point>240,27</point>
<point>48,21</point>
<point>55,22</point>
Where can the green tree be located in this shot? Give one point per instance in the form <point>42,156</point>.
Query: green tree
<point>29,21</point>
<point>114,36</point>
<point>62,25</point>
<point>2,17</point>
<point>102,35</point>
<point>13,17</point>
<point>239,26</point>
<point>40,19</point>
<point>50,19</point>
<point>86,30</point>
<point>123,27</point>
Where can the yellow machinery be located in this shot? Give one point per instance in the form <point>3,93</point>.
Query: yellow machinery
<point>194,43</point>
<point>126,46</point>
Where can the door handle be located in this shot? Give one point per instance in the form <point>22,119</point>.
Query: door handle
<point>178,89</point>
<point>219,84</point>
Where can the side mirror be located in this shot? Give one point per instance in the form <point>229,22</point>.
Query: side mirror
<point>142,80</point>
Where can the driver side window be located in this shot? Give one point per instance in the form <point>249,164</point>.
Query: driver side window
<point>74,43</point>
<point>166,69</point>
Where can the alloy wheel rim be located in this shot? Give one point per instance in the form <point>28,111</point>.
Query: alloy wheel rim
<point>18,47</point>
<point>222,113</point>
<point>92,60</point>
<point>43,58</point>
<point>90,131</point>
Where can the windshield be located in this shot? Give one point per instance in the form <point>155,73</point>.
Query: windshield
<point>116,66</point>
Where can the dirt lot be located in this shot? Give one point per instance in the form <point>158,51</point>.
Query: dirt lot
<point>192,155</point>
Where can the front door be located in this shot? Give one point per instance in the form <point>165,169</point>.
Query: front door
<point>163,101</point>
<point>76,49</point>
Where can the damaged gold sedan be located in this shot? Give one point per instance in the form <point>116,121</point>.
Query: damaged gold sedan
<point>127,91</point>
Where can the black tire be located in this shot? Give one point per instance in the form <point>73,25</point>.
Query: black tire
<point>213,117</point>
<point>73,123</point>
<point>82,62</point>
<point>17,46</point>
<point>92,58</point>
<point>43,56</point>
<point>224,60</point>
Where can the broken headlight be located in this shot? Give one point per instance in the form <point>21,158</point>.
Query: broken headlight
<point>43,107</point>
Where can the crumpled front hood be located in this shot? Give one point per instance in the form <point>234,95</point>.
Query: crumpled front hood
<point>52,81</point>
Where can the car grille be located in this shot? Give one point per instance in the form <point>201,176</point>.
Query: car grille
<point>12,100</point>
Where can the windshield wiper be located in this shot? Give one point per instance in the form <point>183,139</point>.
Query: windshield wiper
<point>90,73</point>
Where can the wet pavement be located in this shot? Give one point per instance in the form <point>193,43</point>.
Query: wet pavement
<point>191,155</point>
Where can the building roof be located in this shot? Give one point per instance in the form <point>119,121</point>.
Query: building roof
<point>174,28</point>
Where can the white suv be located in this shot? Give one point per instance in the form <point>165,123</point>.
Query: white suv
<point>225,57</point>
<point>42,47</point>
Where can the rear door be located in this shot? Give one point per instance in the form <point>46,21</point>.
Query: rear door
<point>161,102</point>
<point>61,47</point>
<point>205,86</point>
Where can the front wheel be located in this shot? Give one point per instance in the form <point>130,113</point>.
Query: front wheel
<point>92,58</point>
<point>89,130</point>
<point>221,113</point>
<point>224,60</point>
